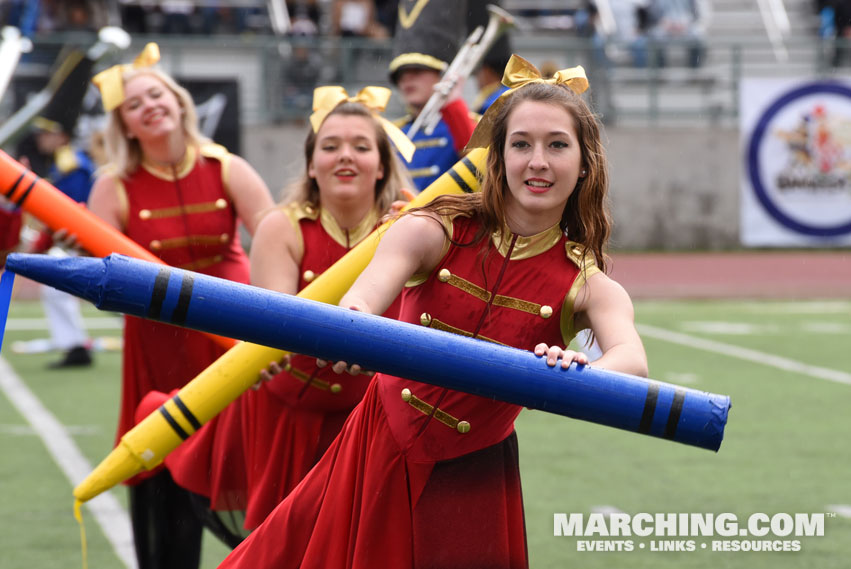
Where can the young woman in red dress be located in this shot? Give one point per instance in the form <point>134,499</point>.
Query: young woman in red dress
<point>259,448</point>
<point>182,197</point>
<point>422,476</point>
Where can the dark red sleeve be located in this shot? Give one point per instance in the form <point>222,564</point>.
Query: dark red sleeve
<point>11,223</point>
<point>457,118</point>
<point>43,243</point>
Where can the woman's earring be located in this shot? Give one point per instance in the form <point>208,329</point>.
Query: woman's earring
<point>583,172</point>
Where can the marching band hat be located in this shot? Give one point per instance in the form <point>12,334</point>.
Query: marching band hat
<point>428,35</point>
<point>65,106</point>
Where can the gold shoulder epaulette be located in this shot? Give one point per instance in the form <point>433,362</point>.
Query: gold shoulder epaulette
<point>574,252</point>
<point>402,121</point>
<point>213,150</point>
<point>301,210</point>
<point>66,159</point>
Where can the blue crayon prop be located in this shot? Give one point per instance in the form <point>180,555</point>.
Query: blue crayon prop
<point>7,283</point>
<point>184,298</point>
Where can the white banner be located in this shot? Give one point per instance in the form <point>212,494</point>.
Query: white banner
<point>796,174</point>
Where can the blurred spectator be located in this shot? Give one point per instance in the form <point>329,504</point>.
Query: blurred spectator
<point>827,19</point>
<point>680,21</point>
<point>587,25</point>
<point>176,16</point>
<point>134,15</point>
<point>842,30</point>
<point>302,25</point>
<point>301,70</point>
<point>387,12</point>
<point>356,18</point>
<point>22,14</point>
<point>639,44</point>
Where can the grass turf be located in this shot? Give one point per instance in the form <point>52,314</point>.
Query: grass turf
<point>784,448</point>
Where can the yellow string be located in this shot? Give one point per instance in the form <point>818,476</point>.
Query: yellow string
<point>78,515</point>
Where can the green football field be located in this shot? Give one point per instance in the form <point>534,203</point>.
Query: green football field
<point>786,366</point>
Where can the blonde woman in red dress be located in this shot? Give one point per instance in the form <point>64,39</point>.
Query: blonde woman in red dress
<point>183,198</point>
<point>248,458</point>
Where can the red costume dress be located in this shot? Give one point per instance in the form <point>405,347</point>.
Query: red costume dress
<point>288,423</point>
<point>186,218</point>
<point>423,476</point>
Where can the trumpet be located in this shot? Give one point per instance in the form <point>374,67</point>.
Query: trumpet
<point>468,58</point>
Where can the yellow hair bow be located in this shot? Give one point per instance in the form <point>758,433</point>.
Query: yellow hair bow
<point>326,99</point>
<point>518,73</point>
<point>111,81</point>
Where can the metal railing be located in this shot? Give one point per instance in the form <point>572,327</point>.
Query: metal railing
<point>777,26</point>
<point>276,76</point>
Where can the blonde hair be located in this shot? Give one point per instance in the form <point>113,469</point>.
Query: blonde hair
<point>124,154</point>
<point>387,190</point>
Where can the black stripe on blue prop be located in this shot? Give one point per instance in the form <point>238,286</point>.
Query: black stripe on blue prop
<point>193,420</point>
<point>177,428</point>
<point>15,185</point>
<point>158,294</point>
<point>674,416</point>
<point>649,408</point>
<point>179,315</point>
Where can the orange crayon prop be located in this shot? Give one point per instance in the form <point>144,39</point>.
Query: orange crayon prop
<point>42,200</point>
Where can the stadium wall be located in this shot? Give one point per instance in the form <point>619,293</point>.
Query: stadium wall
<point>671,188</point>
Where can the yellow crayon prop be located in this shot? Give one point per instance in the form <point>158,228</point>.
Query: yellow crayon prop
<point>44,201</point>
<point>148,443</point>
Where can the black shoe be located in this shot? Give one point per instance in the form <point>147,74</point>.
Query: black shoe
<point>75,357</point>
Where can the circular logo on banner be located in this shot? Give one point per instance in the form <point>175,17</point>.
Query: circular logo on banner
<point>799,159</point>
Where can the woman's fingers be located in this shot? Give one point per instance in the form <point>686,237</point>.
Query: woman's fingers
<point>554,353</point>
<point>343,367</point>
<point>570,356</point>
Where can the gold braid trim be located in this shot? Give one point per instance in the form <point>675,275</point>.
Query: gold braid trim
<point>442,416</point>
<point>429,322</point>
<point>203,207</point>
<point>517,304</point>
<point>191,240</point>
<point>305,378</point>
<point>202,263</point>
<point>431,142</point>
<point>484,295</point>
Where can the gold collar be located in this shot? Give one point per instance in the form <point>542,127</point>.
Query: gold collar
<point>526,247</point>
<point>356,234</point>
<point>166,172</point>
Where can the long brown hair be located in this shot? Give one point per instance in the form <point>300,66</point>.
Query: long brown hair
<point>387,189</point>
<point>586,217</point>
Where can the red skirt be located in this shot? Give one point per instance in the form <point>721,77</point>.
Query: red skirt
<point>158,357</point>
<point>366,505</point>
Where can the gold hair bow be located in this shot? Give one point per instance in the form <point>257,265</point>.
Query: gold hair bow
<point>326,99</point>
<point>111,81</point>
<point>518,73</point>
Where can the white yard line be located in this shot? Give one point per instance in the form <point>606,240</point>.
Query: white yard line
<point>744,354</point>
<point>108,513</point>
<point>99,323</point>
